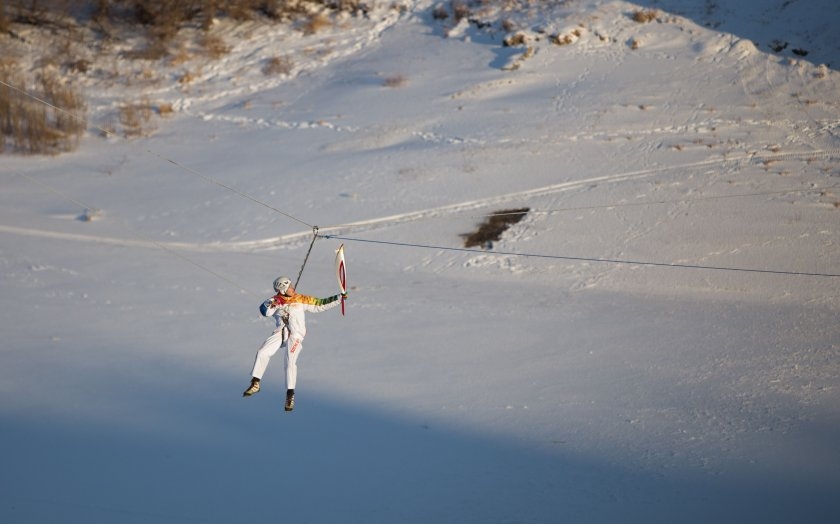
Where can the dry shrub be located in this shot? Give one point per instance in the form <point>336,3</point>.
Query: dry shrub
<point>567,39</point>
<point>186,78</point>
<point>136,119</point>
<point>460,10</point>
<point>644,16</point>
<point>278,65</point>
<point>778,45</point>
<point>561,39</point>
<point>821,72</point>
<point>153,50</point>
<point>80,65</point>
<point>395,81</point>
<point>492,228</point>
<point>179,55</point>
<point>214,46</point>
<point>316,23</point>
<point>165,109</point>
<point>50,125</point>
<point>349,6</point>
<point>161,21</point>
<point>515,40</point>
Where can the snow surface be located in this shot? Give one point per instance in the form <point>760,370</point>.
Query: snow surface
<point>460,386</point>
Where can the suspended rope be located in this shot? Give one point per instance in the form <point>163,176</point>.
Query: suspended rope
<point>316,235</point>
<point>145,238</point>
<point>42,101</point>
<point>584,259</point>
<point>203,177</point>
<point>56,191</point>
<point>451,212</point>
<point>189,170</point>
<point>212,180</point>
<point>306,258</point>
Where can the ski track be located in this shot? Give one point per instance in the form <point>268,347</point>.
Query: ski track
<point>694,396</point>
<point>413,216</point>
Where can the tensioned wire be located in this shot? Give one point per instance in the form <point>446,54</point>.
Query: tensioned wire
<point>145,238</point>
<point>244,195</point>
<point>316,234</point>
<point>218,183</point>
<point>579,259</point>
<point>449,210</point>
<point>203,177</point>
<point>193,172</point>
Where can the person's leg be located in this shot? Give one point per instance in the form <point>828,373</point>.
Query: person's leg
<point>264,354</point>
<point>293,349</point>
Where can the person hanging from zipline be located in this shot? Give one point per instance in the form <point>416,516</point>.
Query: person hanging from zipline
<point>288,309</point>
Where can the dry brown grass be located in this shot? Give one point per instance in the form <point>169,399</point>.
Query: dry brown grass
<point>135,119</point>
<point>492,228</point>
<point>187,77</point>
<point>561,39</point>
<point>278,65</point>
<point>395,81</point>
<point>460,10</point>
<point>214,46</point>
<point>566,39</point>
<point>152,50</point>
<point>644,16</point>
<point>316,23</point>
<point>52,124</point>
<point>161,23</point>
<point>440,12</point>
<point>165,109</point>
<point>515,40</point>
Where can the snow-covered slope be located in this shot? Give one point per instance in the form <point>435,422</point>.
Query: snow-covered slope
<point>666,351</point>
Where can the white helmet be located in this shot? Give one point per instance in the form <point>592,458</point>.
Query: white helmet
<point>282,284</point>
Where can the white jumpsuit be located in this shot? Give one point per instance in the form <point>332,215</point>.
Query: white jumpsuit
<point>289,315</point>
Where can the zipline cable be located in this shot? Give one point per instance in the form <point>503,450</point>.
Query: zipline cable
<point>41,100</point>
<point>144,237</point>
<point>316,235</point>
<point>453,211</point>
<point>203,177</point>
<point>582,259</point>
<point>193,172</point>
<point>306,258</point>
<point>211,180</point>
<point>218,183</point>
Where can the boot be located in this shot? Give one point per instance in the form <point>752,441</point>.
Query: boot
<point>290,400</point>
<point>253,388</point>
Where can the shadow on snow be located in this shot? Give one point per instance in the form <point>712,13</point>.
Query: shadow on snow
<point>215,457</point>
